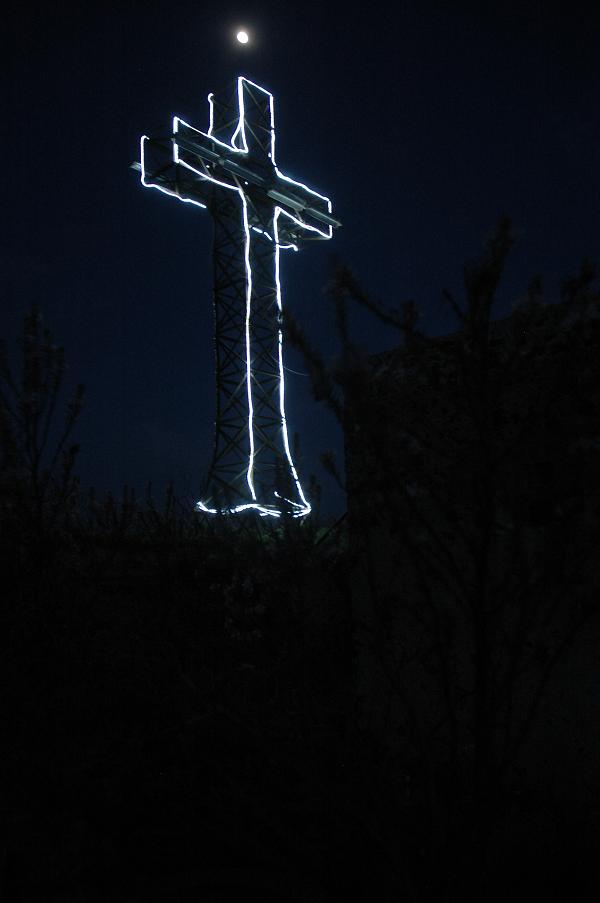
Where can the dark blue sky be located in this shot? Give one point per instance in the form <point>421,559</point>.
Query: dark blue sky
<point>423,121</point>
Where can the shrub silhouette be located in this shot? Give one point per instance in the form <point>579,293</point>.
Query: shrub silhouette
<point>338,711</point>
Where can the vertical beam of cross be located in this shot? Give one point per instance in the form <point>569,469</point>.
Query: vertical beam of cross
<point>257,212</point>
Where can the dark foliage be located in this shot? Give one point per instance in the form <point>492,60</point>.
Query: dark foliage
<point>474,519</point>
<point>295,712</point>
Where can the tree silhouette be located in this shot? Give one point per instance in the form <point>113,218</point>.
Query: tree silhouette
<point>343,712</point>
<point>474,502</point>
<point>36,460</point>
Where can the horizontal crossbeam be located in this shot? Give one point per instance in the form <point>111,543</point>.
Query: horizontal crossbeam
<point>289,198</point>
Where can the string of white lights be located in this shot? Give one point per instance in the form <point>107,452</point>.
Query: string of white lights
<point>164,190</point>
<point>250,471</point>
<point>239,135</point>
<point>241,130</point>
<point>284,429</point>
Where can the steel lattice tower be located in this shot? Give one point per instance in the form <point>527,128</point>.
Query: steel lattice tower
<point>257,212</point>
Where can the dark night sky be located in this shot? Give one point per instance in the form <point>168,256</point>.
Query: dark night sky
<point>423,121</point>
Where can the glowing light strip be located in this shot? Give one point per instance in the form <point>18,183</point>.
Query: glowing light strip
<point>264,512</point>
<point>266,234</point>
<point>231,146</point>
<point>284,430</point>
<point>240,130</point>
<point>290,502</point>
<point>250,471</point>
<point>241,126</point>
<point>285,178</point>
<point>173,194</point>
<point>300,223</point>
<point>202,173</point>
<point>262,509</point>
<point>262,232</point>
<point>211,118</point>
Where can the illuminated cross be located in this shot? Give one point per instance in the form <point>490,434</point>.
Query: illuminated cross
<point>257,212</point>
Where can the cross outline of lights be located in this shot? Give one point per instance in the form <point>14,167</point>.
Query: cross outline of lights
<point>240,130</point>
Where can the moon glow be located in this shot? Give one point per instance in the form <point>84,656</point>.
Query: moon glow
<point>242,37</point>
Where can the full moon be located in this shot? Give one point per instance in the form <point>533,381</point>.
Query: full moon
<point>242,37</point>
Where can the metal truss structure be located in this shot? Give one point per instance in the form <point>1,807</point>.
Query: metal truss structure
<point>257,212</point>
